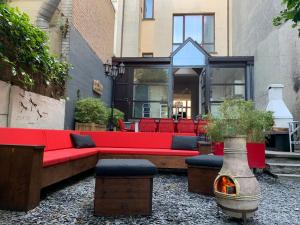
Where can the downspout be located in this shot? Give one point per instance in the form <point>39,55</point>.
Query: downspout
<point>228,36</point>
<point>46,12</point>
<point>122,29</point>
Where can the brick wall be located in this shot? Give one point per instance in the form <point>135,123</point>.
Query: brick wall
<point>94,19</point>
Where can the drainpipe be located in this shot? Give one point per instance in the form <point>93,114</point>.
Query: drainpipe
<point>122,31</point>
<point>228,36</point>
<point>46,12</point>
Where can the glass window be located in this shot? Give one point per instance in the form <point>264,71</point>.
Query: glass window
<point>189,55</point>
<point>150,76</point>
<point>228,75</point>
<point>209,27</point>
<point>147,110</point>
<point>201,28</point>
<point>148,9</point>
<point>193,28</point>
<point>178,29</point>
<point>150,93</point>
<point>222,92</point>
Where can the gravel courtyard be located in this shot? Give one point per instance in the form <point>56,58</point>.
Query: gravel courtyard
<point>71,202</point>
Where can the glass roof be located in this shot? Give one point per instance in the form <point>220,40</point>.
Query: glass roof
<point>189,54</point>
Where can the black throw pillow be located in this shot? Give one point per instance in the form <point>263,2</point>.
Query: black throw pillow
<point>185,142</point>
<point>82,141</point>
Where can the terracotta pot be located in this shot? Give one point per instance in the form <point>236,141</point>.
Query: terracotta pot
<point>236,189</point>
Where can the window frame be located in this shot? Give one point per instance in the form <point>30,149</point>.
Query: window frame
<point>183,30</point>
<point>149,84</point>
<point>144,11</point>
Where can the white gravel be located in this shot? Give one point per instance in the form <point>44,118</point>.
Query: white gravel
<point>72,203</point>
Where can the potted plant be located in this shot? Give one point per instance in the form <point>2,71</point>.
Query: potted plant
<point>239,118</point>
<point>90,114</point>
<point>118,114</point>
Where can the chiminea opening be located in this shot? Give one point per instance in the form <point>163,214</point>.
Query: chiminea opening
<point>226,185</point>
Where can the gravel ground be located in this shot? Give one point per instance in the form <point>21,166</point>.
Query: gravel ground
<point>71,202</point>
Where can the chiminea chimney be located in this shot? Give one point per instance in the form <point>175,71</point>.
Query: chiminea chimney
<point>282,115</point>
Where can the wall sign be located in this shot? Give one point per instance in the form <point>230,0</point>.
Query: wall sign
<point>97,87</point>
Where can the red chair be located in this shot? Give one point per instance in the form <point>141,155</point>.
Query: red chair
<point>123,128</point>
<point>200,129</point>
<point>147,125</point>
<point>186,126</point>
<point>166,125</point>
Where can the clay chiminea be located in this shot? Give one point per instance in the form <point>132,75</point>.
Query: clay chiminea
<point>236,189</point>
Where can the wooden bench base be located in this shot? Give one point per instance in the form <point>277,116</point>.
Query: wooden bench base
<point>123,196</point>
<point>201,179</point>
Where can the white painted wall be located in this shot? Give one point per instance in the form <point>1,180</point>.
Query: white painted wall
<point>20,108</point>
<point>276,50</point>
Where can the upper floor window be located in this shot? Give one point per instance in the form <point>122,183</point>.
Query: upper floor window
<point>200,28</point>
<point>148,9</point>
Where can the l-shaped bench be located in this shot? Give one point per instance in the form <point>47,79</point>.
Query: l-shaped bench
<point>31,159</point>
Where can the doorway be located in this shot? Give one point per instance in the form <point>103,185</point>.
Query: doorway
<point>185,94</point>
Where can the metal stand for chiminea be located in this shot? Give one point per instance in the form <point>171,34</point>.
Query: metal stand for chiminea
<point>243,212</point>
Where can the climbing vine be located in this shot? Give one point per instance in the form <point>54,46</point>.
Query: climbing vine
<point>291,12</point>
<point>24,49</point>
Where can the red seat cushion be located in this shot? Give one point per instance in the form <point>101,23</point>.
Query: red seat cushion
<point>55,157</point>
<point>76,153</point>
<point>64,155</point>
<point>145,151</point>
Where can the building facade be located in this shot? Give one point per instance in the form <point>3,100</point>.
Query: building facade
<point>177,55</point>
<point>276,50</point>
<point>82,33</point>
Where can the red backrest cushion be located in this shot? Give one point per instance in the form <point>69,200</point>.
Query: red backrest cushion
<point>166,126</point>
<point>147,125</point>
<point>22,136</point>
<point>185,126</point>
<point>58,139</point>
<point>131,139</point>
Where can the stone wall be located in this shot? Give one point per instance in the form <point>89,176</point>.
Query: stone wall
<point>276,49</point>
<point>19,108</point>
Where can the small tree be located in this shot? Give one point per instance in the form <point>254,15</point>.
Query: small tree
<point>291,12</point>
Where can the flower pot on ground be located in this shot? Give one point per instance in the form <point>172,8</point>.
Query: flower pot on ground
<point>204,147</point>
<point>118,114</point>
<point>90,114</point>
<point>239,117</point>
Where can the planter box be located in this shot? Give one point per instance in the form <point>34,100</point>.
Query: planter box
<point>90,127</point>
<point>204,147</point>
<point>255,153</point>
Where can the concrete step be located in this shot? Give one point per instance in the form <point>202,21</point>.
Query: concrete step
<point>282,157</point>
<point>288,176</point>
<point>284,168</point>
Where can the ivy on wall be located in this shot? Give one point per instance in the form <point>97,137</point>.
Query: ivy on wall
<point>24,48</point>
<point>291,12</point>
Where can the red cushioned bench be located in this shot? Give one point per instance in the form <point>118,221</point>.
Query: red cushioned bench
<point>31,159</point>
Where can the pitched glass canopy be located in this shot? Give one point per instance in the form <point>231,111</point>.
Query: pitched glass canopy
<point>189,54</point>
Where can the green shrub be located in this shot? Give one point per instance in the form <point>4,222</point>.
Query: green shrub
<point>24,48</point>
<point>117,115</point>
<point>91,110</point>
<point>239,117</point>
